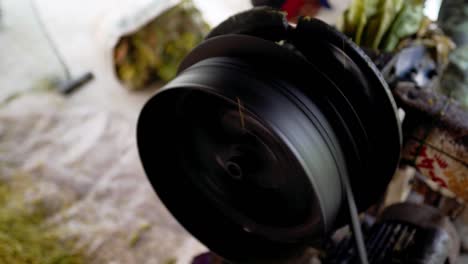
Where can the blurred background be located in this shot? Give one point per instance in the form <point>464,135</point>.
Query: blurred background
<point>75,74</point>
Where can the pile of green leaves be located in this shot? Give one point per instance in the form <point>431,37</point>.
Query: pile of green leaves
<point>23,240</point>
<point>155,51</point>
<point>382,24</point>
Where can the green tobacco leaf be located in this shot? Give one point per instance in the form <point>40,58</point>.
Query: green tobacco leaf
<point>352,18</point>
<point>370,9</point>
<point>406,24</point>
<point>381,22</point>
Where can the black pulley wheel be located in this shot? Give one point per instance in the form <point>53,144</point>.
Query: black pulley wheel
<point>249,145</point>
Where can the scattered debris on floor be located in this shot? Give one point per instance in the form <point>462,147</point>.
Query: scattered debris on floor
<point>24,236</point>
<point>90,190</point>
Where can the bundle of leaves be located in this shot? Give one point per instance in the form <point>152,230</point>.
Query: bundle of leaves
<point>155,51</point>
<point>382,24</point>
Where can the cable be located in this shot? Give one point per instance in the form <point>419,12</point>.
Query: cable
<point>355,223</point>
<point>51,42</point>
